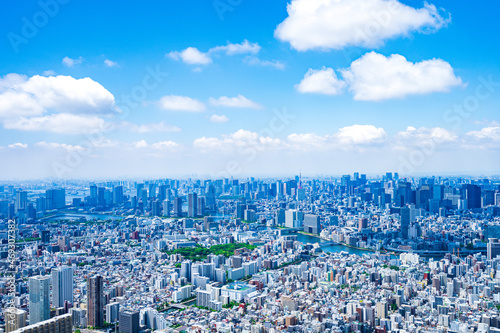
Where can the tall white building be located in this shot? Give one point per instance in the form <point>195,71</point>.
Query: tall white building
<point>293,218</point>
<point>62,286</point>
<point>112,312</point>
<point>39,303</point>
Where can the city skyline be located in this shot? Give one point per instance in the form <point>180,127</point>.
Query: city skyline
<point>231,89</point>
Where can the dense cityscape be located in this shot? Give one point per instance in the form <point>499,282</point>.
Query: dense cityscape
<point>347,254</point>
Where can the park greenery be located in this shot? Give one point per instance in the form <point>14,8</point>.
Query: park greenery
<point>199,253</point>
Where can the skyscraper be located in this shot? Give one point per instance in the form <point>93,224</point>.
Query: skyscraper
<point>129,321</point>
<point>62,286</point>
<point>493,248</point>
<point>472,195</point>
<point>312,224</point>
<point>178,206</point>
<point>39,303</point>
<point>93,195</point>
<point>94,301</point>
<point>55,198</point>
<point>405,222</point>
<point>192,204</point>
<point>21,200</point>
<point>117,195</point>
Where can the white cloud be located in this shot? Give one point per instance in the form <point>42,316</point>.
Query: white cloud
<point>422,136</point>
<point>219,118</point>
<point>69,62</point>
<point>54,145</point>
<point>140,144</point>
<point>307,141</point>
<point>350,137</point>
<point>237,140</point>
<point>486,133</point>
<point>165,145</point>
<point>335,24</point>
<point>374,77</point>
<point>181,103</point>
<point>487,137</point>
<point>23,96</point>
<point>243,48</point>
<point>49,72</point>
<point>360,135</point>
<point>57,123</point>
<point>18,145</point>
<point>162,145</point>
<point>255,61</point>
<point>110,63</point>
<point>239,101</point>
<point>191,56</point>
<point>323,81</point>
<point>148,128</point>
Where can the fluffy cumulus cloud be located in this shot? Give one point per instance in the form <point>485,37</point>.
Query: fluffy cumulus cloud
<point>231,49</point>
<point>23,96</point>
<point>240,139</point>
<point>335,24</point>
<point>375,77</point>
<point>70,62</point>
<point>360,135</point>
<point>159,146</point>
<point>422,136</point>
<point>181,103</point>
<point>64,123</point>
<point>239,101</point>
<point>322,81</point>
<point>487,137</point>
<point>193,56</point>
<point>215,118</point>
<point>356,136</point>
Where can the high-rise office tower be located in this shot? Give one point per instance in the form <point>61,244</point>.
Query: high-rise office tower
<point>144,198</point>
<point>101,201</point>
<point>493,248</point>
<point>95,301</point>
<point>201,206</point>
<point>117,195</point>
<point>112,312</point>
<point>472,195</point>
<point>240,211</point>
<point>62,286</point>
<point>39,303</point>
<point>192,204</point>
<point>129,321</point>
<point>178,206</point>
<point>21,200</point>
<point>55,198</point>
<point>312,224</point>
<point>166,207</point>
<point>156,208</point>
<point>93,195</point>
<point>405,221</point>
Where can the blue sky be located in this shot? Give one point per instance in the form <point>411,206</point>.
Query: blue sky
<point>371,85</point>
